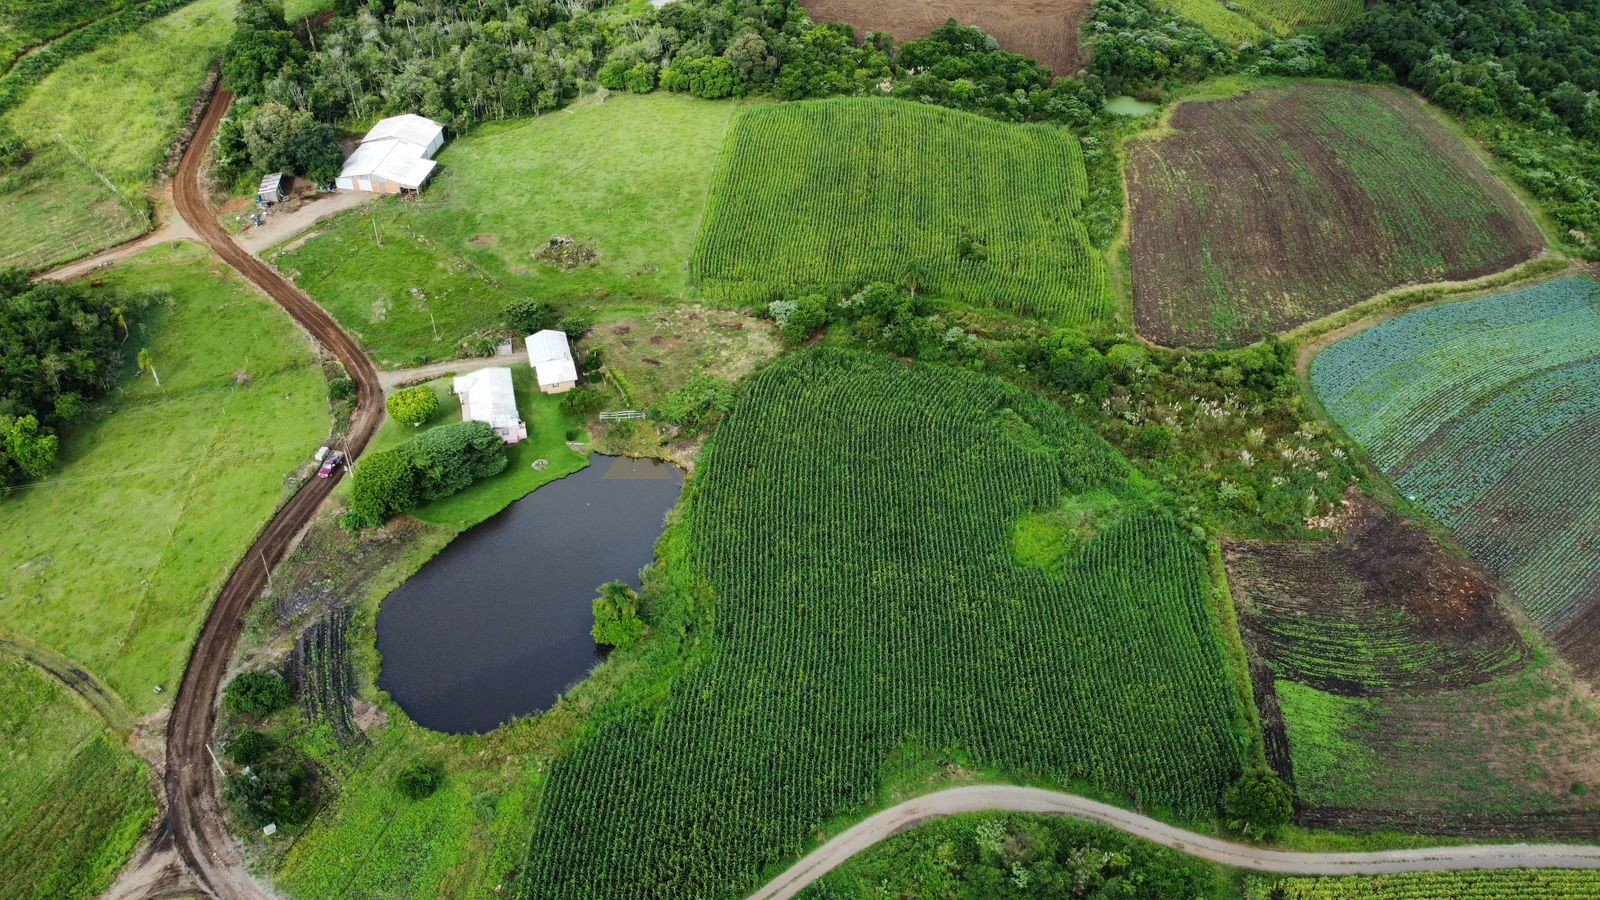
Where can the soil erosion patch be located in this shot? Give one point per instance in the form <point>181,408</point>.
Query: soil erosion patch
<point>1268,210</point>
<point>1046,30</point>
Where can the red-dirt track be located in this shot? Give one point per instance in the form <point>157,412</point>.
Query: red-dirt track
<point>194,824</point>
<point>1045,30</point>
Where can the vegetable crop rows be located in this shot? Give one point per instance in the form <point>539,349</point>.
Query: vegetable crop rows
<point>836,192</point>
<point>1485,412</point>
<point>1523,884</point>
<point>853,522</point>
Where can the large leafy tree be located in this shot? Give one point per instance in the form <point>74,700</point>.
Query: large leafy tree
<point>413,406</point>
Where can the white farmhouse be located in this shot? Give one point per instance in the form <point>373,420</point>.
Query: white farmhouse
<point>551,358</point>
<point>396,155</point>
<point>487,396</point>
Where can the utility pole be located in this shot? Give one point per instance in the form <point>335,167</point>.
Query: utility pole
<point>267,569</point>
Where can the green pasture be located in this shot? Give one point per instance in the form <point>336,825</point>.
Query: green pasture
<point>100,127</point>
<point>625,177</point>
<point>547,429</point>
<point>28,23</point>
<point>114,558</point>
<point>73,802</point>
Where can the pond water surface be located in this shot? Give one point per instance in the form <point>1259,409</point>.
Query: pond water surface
<point>497,625</point>
<point>1129,106</point>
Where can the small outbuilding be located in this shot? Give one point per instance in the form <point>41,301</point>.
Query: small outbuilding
<point>273,189</point>
<point>487,395</point>
<point>551,358</point>
<point>396,155</point>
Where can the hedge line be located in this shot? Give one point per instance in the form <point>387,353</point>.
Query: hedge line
<point>32,69</point>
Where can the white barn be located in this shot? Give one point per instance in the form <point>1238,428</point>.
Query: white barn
<point>551,358</point>
<point>396,155</point>
<point>488,396</point>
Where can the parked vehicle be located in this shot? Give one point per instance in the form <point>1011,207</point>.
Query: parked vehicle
<point>330,464</point>
<point>322,453</point>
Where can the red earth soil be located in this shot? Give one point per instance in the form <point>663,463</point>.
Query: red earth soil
<point>1046,30</point>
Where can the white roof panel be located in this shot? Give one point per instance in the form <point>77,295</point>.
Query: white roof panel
<point>411,128</point>
<point>488,396</point>
<point>551,357</point>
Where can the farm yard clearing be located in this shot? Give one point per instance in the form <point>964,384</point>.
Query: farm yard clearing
<point>1234,212</point>
<point>1045,30</point>
<point>830,193</point>
<point>626,177</point>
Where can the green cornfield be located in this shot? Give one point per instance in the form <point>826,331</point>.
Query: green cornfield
<point>1523,884</point>
<point>833,193</point>
<point>859,616</point>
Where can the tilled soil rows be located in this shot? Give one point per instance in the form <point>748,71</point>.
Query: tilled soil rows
<point>1046,30</point>
<point>1272,209</point>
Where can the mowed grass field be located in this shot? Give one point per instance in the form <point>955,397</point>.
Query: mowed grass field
<point>855,618</point>
<point>1258,213</point>
<point>833,193</point>
<point>626,178</point>
<point>73,802</point>
<point>1485,412</point>
<point>114,558</point>
<point>99,127</point>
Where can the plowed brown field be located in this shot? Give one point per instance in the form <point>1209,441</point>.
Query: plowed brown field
<point>1269,210</point>
<point>1046,30</point>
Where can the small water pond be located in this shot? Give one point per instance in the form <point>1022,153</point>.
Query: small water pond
<point>497,625</point>
<point>1129,106</point>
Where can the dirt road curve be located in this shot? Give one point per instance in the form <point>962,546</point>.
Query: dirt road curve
<point>194,825</point>
<point>977,798</point>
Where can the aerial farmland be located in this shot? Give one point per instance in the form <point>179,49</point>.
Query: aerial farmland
<point>707,448</point>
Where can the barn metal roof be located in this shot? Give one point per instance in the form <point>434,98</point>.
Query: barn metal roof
<point>411,128</point>
<point>487,396</point>
<point>551,357</point>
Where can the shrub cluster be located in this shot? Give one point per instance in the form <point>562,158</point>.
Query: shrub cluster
<point>257,694</point>
<point>435,464</point>
<point>60,349</point>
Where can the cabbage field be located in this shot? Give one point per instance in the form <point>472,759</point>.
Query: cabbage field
<point>837,192</point>
<point>1485,413</point>
<point>859,617</point>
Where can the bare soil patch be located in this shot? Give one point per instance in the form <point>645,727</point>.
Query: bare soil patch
<point>658,352</point>
<point>1433,713</point>
<point>1381,608</point>
<point>1046,30</point>
<point>1268,210</point>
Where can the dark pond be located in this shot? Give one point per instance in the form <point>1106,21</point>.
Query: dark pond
<point>497,625</point>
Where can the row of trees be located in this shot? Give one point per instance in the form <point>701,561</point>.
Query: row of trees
<point>60,350</point>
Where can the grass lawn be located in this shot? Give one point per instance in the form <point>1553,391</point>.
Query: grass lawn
<point>107,116</point>
<point>113,560</point>
<point>72,802</point>
<point>626,177</point>
<point>547,430</point>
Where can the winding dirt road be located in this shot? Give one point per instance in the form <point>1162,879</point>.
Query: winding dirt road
<point>194,824</point>
<point>1007,798</point>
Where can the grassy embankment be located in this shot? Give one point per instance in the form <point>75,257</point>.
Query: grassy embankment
<point>99,127</point>
<point>74,803</point>
<point>626,178</point>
